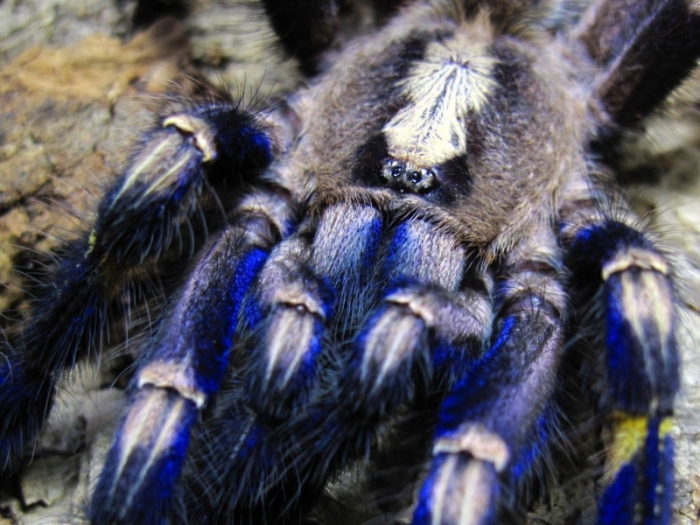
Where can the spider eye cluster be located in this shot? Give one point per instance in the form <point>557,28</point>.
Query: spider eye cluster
<point>404,177</point>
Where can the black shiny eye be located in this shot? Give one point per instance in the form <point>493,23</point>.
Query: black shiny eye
<point>405,178</point>
<point>392,170</point>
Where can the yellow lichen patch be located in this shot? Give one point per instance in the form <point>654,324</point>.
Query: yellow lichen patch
<point>628,435</point>
<point>92,240</point>
<point>665,427</point>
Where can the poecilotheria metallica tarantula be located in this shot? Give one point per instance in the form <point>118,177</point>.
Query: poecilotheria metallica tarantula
<point>414,245</point>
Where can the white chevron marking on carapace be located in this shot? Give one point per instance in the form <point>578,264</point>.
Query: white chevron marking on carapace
<point>452,80</point>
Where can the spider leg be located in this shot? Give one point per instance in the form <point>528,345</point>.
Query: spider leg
<point>643,50</point>
<point>312,424</point>
<point>305,28</point>
<point>282,335</point>
<point>185,367</point>
<point>496,422</point>
<point>291,292</point>
<point>263,417</point>
<point>627,285</point>
<point>645,54</point>
<point>427,327</point>
<point>244,466</point>
<point>137,221</point>
<point>422,331</point>
<point>289,299</point>
<point>623,278</point>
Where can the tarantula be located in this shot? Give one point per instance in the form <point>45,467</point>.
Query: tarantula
<point>416,235</point>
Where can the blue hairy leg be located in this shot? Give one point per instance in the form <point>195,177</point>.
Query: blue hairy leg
<point>180,373</point>
<point>496,423</point>
<point>422,331</point>
<point>286,357</point>
<point>639,363</point>
<point>138,220</point>
<point>426,327</point>
<point>245,461</point>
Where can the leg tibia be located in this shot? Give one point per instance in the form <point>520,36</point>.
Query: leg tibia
<point>628,280</point>
<point>285,317</point>
<point>640,359</point>
<point>506,391</point>
<point>192,356</point>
